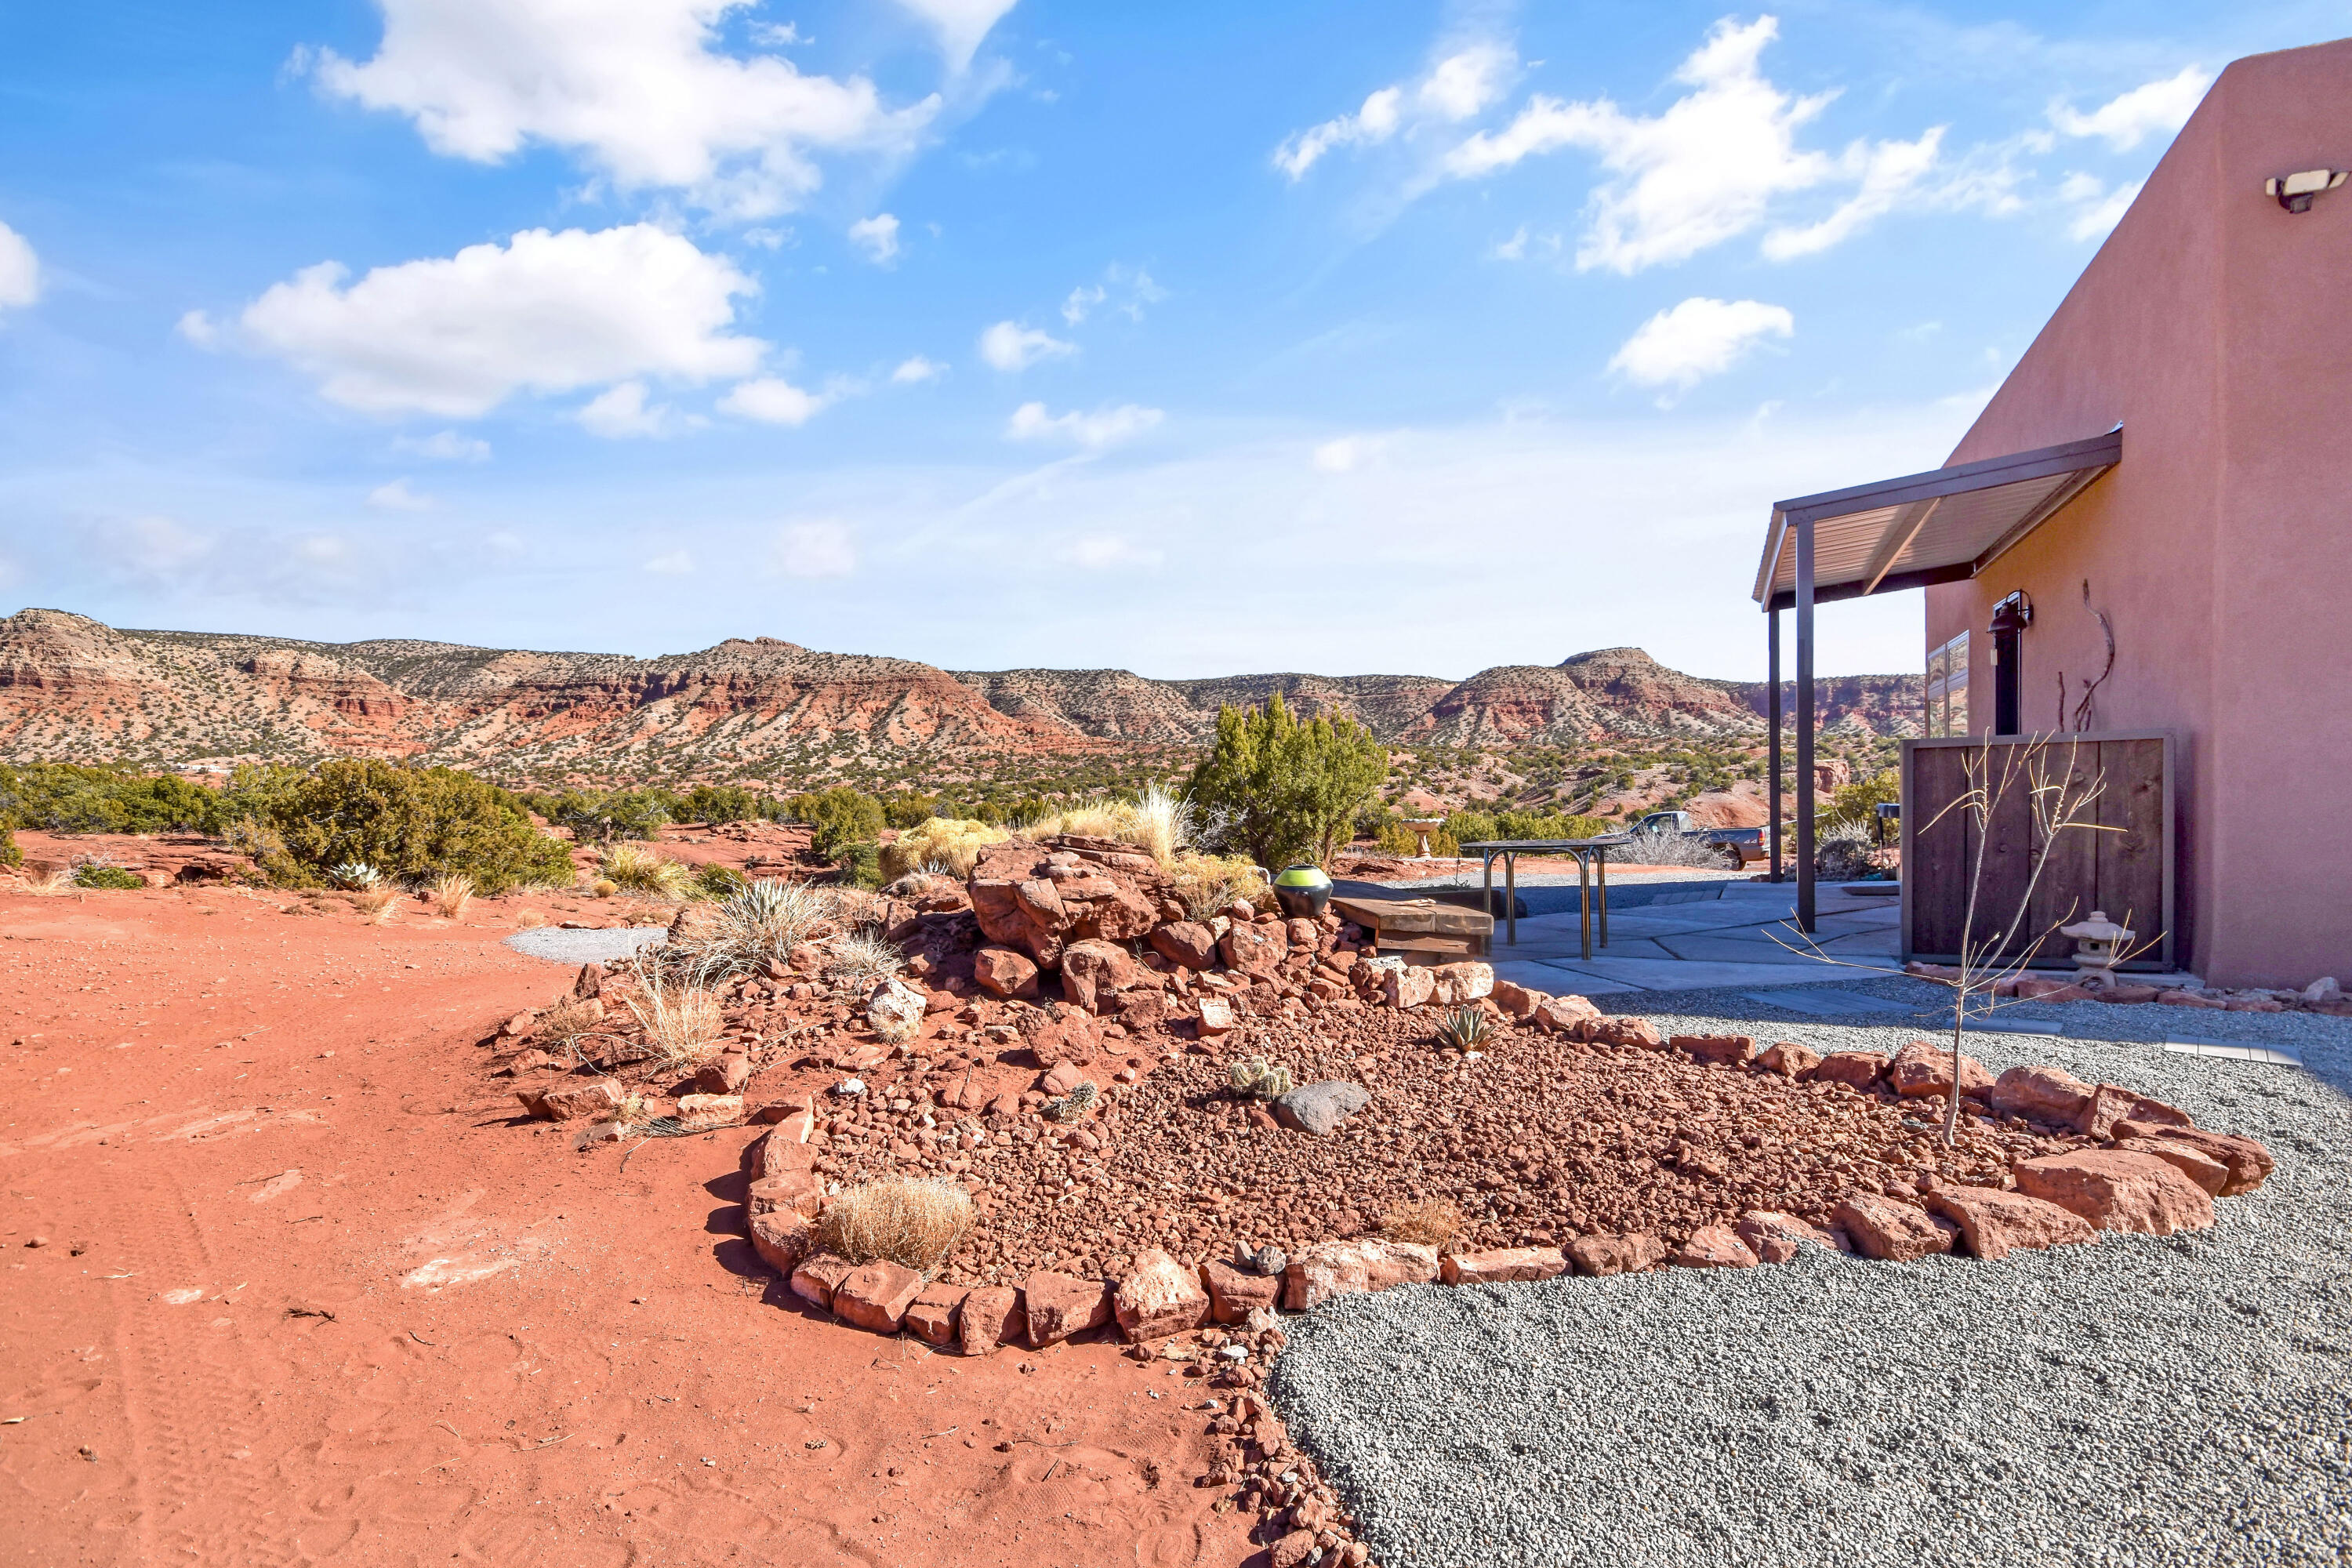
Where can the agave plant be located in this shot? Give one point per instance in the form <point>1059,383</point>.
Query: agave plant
<point>356,875</point>
<point>1465,1029</point>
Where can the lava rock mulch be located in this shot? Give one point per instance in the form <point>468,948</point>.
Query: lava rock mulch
<point>2145,1400</point>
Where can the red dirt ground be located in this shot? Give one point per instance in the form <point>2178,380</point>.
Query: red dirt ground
<point>308,1293</point>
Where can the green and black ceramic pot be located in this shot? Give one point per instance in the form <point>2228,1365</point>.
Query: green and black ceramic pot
<point>1303,891</point>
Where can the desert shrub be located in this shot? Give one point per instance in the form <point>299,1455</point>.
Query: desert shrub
<point>841,816</point>
<point>939,844</point>
<point>600,816</point>
<point>718,802</point>
<point>99,874</point>
<point>1396,839</point>
<point>65,797</point>
<point>1207,884</point>
<point>904,811</point>
<point>1468,827</point>
<point>411,823</point>
<point>636,868</point>
<point>1282,790</point>
<point>681,1021</point>
<point>752,929</point>
<point>717,881</point>
<point>1666,847</point>
<point>863,960</point>
<point>1157,821</point>
<point>1858,802</point>
<point>861,865</point>
<point>1433,1222</point>
<point>912,1223</point>
<point>9,854</point>
<point>1844,852</point>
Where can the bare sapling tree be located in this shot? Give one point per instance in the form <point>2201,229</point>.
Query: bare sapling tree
<point>2058,799</point>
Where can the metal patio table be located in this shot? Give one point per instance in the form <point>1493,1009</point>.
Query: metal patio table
<point>1591,871</point>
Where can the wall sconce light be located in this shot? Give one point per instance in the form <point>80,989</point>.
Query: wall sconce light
<point>2295,191</point>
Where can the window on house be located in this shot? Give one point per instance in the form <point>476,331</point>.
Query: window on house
<point>1948,688</point>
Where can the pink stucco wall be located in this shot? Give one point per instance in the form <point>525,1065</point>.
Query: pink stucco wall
<point>2216,328</point>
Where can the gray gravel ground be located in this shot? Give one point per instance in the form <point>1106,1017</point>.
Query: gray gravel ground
<point>2138,1401</point>
<point>584,946</point>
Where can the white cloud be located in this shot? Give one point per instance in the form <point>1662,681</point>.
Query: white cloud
<point>621,412</point>
<point>1709,167</point>
<point>676,564</point>
<point>959,23</point>
<point>1082,300</point>
<point>813,550</point>
<point>2124,121</point>
<point>2096,209</point>
<point>771,400</point>
<point>1132,288</point>
<point>915,368</point>
<point>20,270</point>
<point>547,313</point>
<point>1010,346</point>
<point>877,236</point>
<point>444,446</point>
<point>1345,455</point>
<point>1109,551</point>
<point>1456,89</point>
<point>397,497</point>
<point>199,328</point>
<point>1680,347</point>
<point>639,89</point>
<point>1104,427</point>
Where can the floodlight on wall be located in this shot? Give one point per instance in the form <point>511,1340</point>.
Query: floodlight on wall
<point>2295,191</point>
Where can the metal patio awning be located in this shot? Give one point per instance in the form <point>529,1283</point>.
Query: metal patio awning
<point>1928,528</point>
<point>1909,532</point>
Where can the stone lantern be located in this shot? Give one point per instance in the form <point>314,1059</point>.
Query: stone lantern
<point>2099,945</point>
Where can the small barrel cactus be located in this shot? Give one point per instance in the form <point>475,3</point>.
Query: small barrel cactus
<point>1258,1079</point>
<point>1071,1106</point>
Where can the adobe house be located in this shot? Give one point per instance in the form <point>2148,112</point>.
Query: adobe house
<point>2170,463</point>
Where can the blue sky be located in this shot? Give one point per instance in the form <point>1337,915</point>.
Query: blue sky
<point>1195,340</point>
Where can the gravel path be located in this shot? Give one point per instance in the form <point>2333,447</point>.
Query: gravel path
<point>584,946</point>
<point>2139,1401</point>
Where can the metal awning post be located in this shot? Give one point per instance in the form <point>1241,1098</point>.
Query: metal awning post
<point>1772,719</point>
<point>1804,595</point>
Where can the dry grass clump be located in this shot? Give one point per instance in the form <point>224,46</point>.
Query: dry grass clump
<point>380,905</point>
<point>563,1025</point>
<point>451,891</point>
<point>946,845</point>
<point>1159,822</point>
<point>753,929</point>
<point>914,1224</point>
<point>863,960</point>
<point>1209,883</point>
<point>681,1021</point>
<point>1433,1222</point>
<point>635,868</point>
<point>56,880</point>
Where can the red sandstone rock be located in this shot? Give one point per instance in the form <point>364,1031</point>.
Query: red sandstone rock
<point>1892,1232</point>
<point>2111,1103</point>
<point>932,1317</point>
<point>1993,1224</point>
<point>2248,1161</point>
<point>1232,1292</point>
<point>1216,1016</point>
<point>1187,942</point>
<point>1788,1058</point>
<point>1517,1001</point>
<point>1724,1050</point>
<point>818,1275</point>
<point>2039,988</point>
<point>709,1112</point>
<point>1712,1246</point>
<point>1092,969</point>
<point>1254,949</point>
<point>1623,1032</point>
<point>569,1099</point>
<point>1775,1236</point>
<point>2191,1162</point>
<point>1921,1068</point>
<point>987,1317</point>
<point>875,1296</point>
<point>1059,1305</point>
<point>2043,1093</point>
<point>1563,1015</point>
<point>727,1075</point>
<point>2117,1191</point>
<point>1458,984</point>
<point>1160,1297</point>
<point>1606,1255</point>
<point>1293,1550</point>
<point>1855,1070</point>
<point>781,1238</point>
<point>786,1146</point>
<point>1004,972</point>
<point>1409,986</point>
<point>787,1192</point>
<point>1329,1269</point>
<point>1501,1264</point>
<point>1062,1077</point>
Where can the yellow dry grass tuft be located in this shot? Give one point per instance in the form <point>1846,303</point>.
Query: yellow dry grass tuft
<point>1433,1222</point>
<point>451,891</point>
<point>914,1224</point>
<point>380,906</point>
<point>1156,822</point>
<point>636,869</point>
<point>1208,883</point>
<point>942,843</point>
<point>562,1027</point>
<point>682,1022</point>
